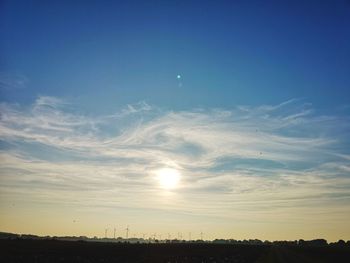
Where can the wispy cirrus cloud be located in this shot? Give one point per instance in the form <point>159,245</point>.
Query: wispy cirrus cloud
<point>12,81</point>
<point>260,161</point>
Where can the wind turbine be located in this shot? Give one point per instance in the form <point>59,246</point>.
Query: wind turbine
<point>106,230</point>
<point>114,233</point>
<point>127,232</point>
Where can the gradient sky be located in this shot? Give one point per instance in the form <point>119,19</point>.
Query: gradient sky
<point>257,125</point>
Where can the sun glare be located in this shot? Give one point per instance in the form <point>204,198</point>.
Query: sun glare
<point>168,178</point>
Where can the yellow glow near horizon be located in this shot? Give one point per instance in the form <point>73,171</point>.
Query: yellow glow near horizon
<point>168,178</point>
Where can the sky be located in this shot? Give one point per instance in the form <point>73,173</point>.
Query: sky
<point>246,102</point>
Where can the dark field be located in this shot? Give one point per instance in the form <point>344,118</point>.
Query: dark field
<point>75,251</point>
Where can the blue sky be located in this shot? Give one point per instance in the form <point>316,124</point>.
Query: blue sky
<point>257,125</point>
<point>107,54</point>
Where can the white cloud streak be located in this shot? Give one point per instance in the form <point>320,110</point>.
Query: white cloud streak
<point>244,161</point>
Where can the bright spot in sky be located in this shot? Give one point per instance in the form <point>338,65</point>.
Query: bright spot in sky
<point>168,178</point>
<point>178,76</point>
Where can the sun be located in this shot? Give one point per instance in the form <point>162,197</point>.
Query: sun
<point>168,178</point>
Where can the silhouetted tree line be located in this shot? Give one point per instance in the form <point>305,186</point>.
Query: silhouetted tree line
<point>300,242</point>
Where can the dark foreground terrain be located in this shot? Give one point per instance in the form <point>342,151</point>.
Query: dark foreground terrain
<point>76,251</point>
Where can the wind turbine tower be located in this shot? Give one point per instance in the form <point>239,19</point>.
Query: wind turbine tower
<point>127,232</point>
